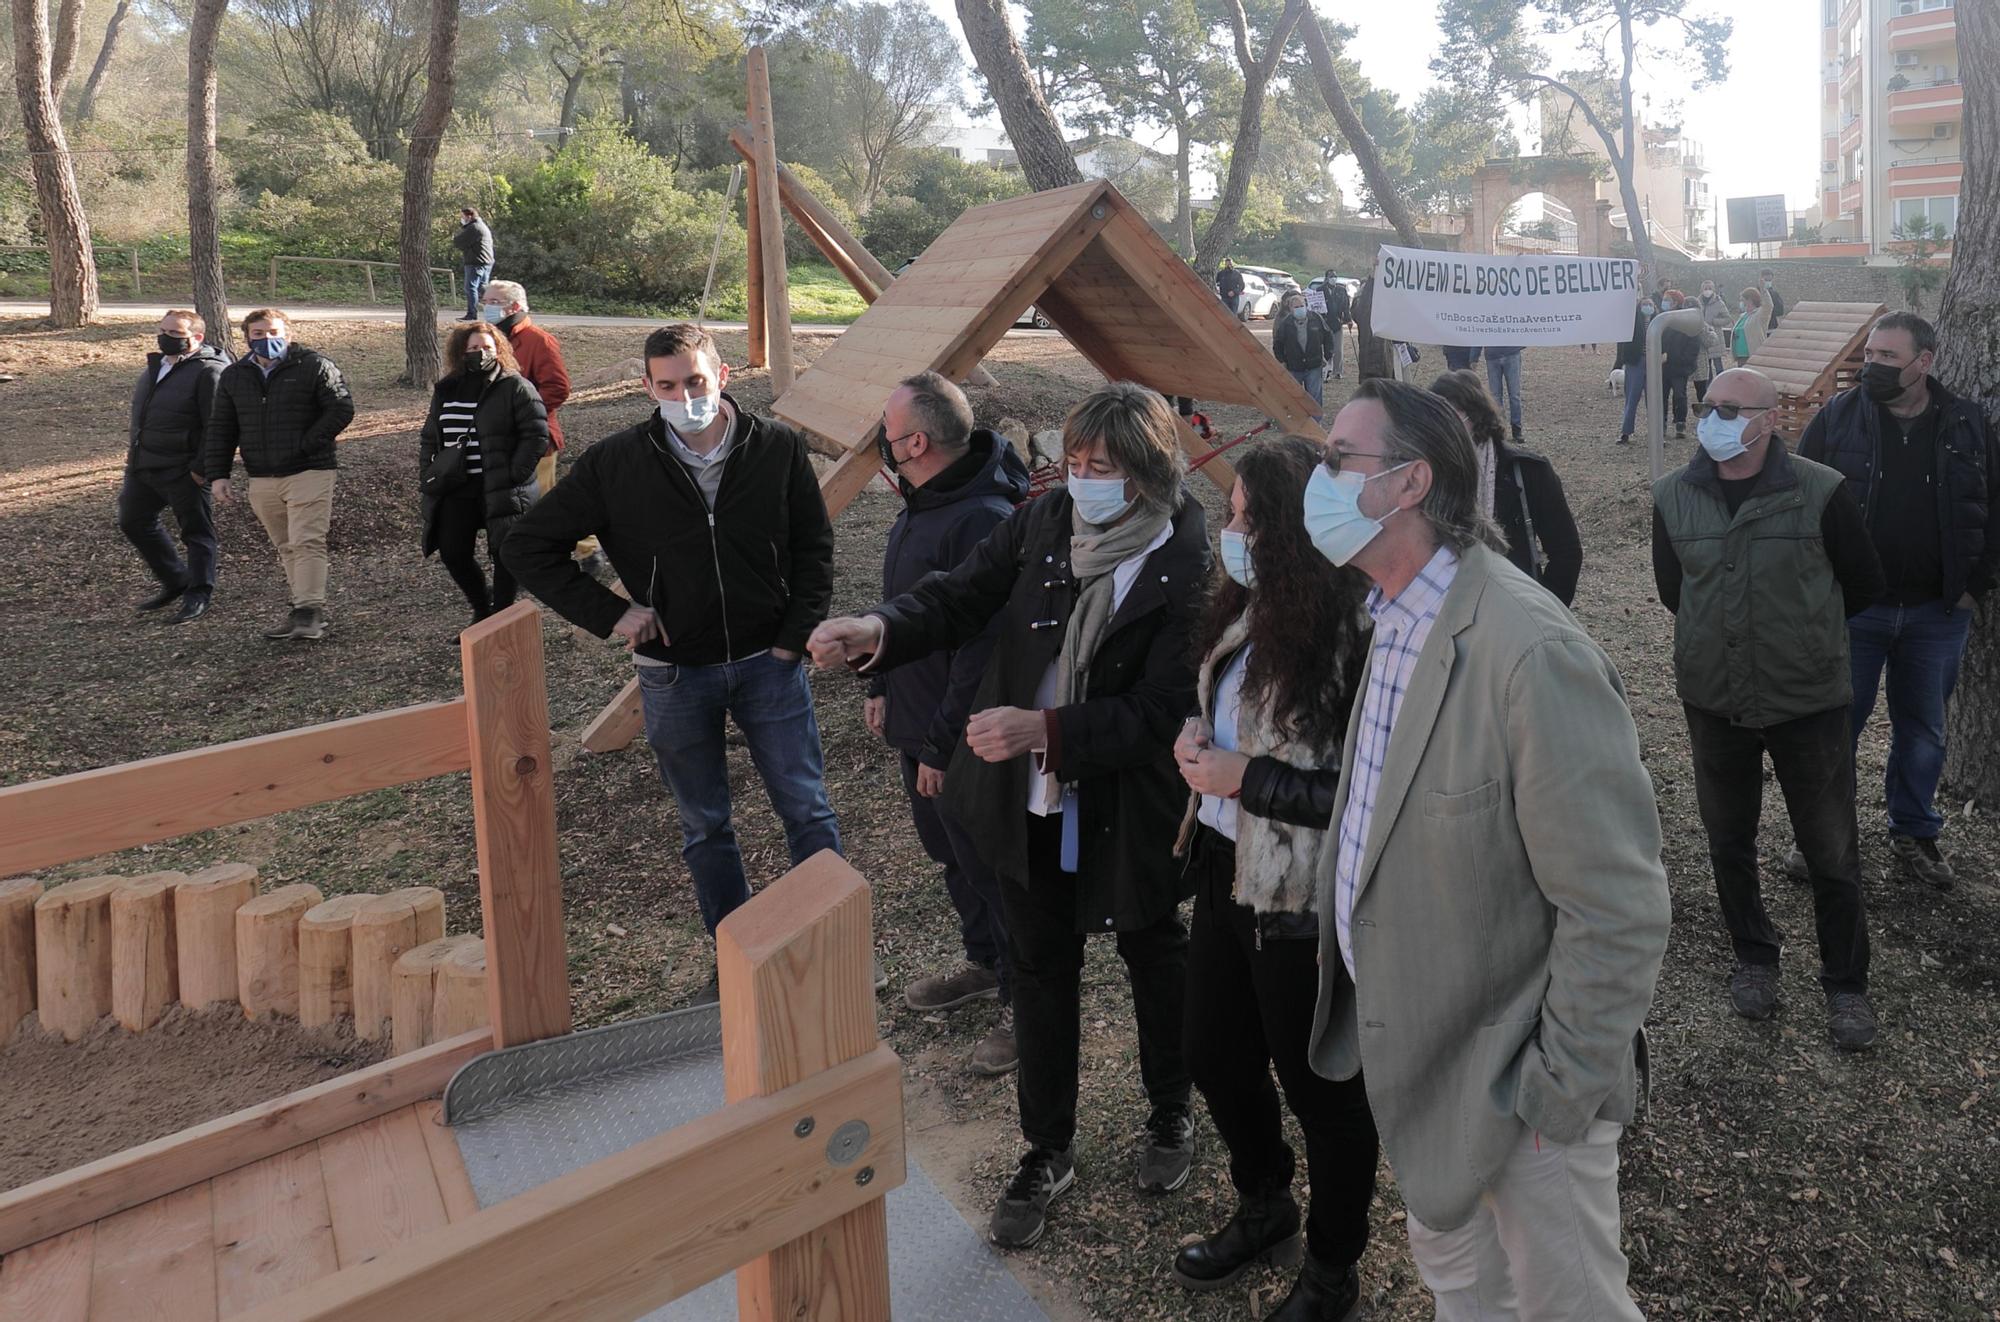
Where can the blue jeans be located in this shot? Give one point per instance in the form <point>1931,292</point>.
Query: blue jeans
<point>1503,380</point>
<point>1314,380</point>
<point>771,702</point>
<point>475,288</point>
<point>1635,390</point>
<point>1920,646</point>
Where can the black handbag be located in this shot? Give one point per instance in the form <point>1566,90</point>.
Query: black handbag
<point>446,471</point>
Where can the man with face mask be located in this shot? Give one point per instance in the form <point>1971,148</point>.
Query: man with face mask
<point>714,522</point>
<point>170,410</point>
<point>1762,556</point>
<point>1300,340</point>
<point>1767,280</point>
<point>1493,915</point>
<point>1924,468</point>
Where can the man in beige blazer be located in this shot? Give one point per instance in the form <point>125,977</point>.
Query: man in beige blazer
<point>1493,918</point>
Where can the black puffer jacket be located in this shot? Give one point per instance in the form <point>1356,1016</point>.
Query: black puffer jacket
<point>170,412</point>
<point>1529,505</point>
<point>513,432</point>
<point>284,424</point>
<point>1301,346</point>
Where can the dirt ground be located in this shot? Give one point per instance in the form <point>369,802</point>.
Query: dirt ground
<point>1774,1179</point>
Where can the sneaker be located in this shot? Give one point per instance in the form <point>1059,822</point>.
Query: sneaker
<point>1753,990</point>
<point>1850,1020</point>
<point>1022,1213</point>
<point>996,1053</point>
<point>162,599</point>
<point>1626,439</point>
<point>294,617</point>
<point>1680,431</point>
<point>312,623</point>
<point>1921,859</point>
<point>193,606</point>
<point>1795,866</point>
<point>943,991</point>
<point>1169,1154</point>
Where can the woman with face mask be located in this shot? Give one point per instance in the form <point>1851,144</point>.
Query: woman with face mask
<point>476,460</point>
<point>1302,342</point>
<point>1282,644</point>
<point>1752,324</point>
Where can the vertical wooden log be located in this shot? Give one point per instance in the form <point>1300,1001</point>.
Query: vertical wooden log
<point>753,276</point>
<point>460,1003</point>
<point>267,950</point>
<point>413,990</point>
<point>17,952</point>
<point>205,908</point>
<point>796,999</point>
<point>73,955</point>
<point>326,960</point>
<point>145,964</point>
<point>383,929</point>
<point>770,225</point>
<point>514,823</point>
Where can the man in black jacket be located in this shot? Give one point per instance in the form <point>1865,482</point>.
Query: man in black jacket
<point>170,407</point>
<point>283,406</point>
<point>474,242</point>
<point>715,524</point>
<point>1301,343</point>
<point>1229,286</point>
<point>958,485</point>
<point>1927,473</point>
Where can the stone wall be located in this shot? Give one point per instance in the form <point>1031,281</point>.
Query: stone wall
<point>1799,281</point>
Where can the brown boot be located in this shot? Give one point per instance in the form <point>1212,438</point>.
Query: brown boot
<point>996,1053</point>
<point>942,991</point>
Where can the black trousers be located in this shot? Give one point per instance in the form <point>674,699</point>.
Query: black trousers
<point>1249,1011</point>
<point>140,500</point>
<point>460,516</point>
<point>1813,758</point>
<point>1047,953</point>
<point>973,887</point>
<point>1677,395</point>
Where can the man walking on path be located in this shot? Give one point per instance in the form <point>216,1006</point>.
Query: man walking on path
<point>505,305</point>
<point>283,405</point>
<point>1762,557</point>
<point>170,410</point>
<point>474,242</point>
<point>1924,468</point>
<point>1301,343</point>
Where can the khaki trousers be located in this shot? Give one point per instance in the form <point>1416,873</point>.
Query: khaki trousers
<point>545,480</point>
<point>296,512</point>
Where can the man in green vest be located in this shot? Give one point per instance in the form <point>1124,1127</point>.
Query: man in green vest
<point>1762,556</point>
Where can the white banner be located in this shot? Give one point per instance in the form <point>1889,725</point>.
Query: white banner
<point>1480,298</point>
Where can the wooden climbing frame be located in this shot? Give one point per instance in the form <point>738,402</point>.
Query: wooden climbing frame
<point>1814,355</point>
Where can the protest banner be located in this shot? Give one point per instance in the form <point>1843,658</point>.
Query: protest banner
<point>1481,298</point>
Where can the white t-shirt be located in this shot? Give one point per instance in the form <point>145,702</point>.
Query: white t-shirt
<point>1216,812</point>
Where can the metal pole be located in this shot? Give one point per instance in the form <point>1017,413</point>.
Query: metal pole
<point>1682,319</point>
<point>728,206</point>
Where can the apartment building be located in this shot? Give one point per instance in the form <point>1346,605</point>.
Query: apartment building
<point>1670,176</point>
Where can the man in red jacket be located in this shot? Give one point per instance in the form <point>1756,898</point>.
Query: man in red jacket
<point>506,305</point>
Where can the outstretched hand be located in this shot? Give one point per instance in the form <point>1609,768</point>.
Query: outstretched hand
<point>845,638</point>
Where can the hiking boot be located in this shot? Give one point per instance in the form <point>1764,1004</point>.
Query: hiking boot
<point>1850,1020</point>
<point>193,606</point>
<point>1022,1213</point>
<point>942,991</point>
<point>996,1052</point>
<point>294,618</point>
<point>1921,859</point>
<point>1169,1154</point>
<point>1795,866</point>
<point>1753,990</point>
<point>162,599</point>
<point>1265,1228</point>
<point>312,622</point>
<point>1322,1293</point>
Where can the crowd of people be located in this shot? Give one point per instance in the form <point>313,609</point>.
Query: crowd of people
<point>1360,730</point>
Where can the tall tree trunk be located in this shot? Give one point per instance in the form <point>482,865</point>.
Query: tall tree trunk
<point>62,56</point>
<point>87,103</point>
<point>1388,196</point>
<point>628,92</point>
<point>420,328</point>
<point>1627,161</point>
<point>1249,130</point>
<point>1183,190</point>
<point>211,298</point>
<point>572,85</point>
<point>1046,160</point>
<point>1969,363</point>
<point>72,269</point>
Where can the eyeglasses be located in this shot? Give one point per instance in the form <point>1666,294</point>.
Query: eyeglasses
<point>1729,412</point>
<point>1333,459</point>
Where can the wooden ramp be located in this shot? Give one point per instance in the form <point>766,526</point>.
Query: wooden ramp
<point>1814,355</point>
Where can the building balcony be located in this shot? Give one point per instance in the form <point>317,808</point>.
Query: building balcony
<point>1850,15</point>
<point>1850,75</point>
<point>1931,27</point>
<point>1933,103</point>
<point>1929,176</point>
<point>1850,198</point>
<point>1824,250</point>
<point>1850,135</point>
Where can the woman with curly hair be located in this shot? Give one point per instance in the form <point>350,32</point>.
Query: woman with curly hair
<point>1519,490</point>
<point>1282,644</point>
<point>476,459</point>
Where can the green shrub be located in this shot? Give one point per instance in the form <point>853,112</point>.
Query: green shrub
<point>280,150</point>
<point>898,228</point>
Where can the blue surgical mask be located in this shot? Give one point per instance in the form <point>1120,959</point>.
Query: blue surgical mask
<point>492,312</point>
<point>1236,557</point>
<point>1099,500</point>
<point>271,348</point>
<point>690,415</point>
<point>1722,437</point>
<point>1645,309</point>
<point>1333,514</point>
<point>1298,314</point>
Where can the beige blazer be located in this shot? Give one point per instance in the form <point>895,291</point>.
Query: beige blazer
<point>1512,910</point>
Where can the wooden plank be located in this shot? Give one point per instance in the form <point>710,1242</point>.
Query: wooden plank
<point>447,1162</point>
<point>753,275</point>
<point>136,803</point>
<point>618,724</point>
<point>770,226</point>
<point>631,1232</point>
<point>848,478</point>
<point>157,1261</point>
<point>136,1175</point>
<point>380,1191</point>
<point>273,1232</point>
<point>49,1281</point>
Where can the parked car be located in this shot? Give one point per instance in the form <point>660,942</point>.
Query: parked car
<point>1280,281</point>
<point>1259,299</point>
<point>1031,317</point>
<point>1352,285</point>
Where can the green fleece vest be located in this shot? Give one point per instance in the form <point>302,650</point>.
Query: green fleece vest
<point>1761,635</point>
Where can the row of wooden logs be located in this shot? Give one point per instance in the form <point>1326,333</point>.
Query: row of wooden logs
<point>132,946</point>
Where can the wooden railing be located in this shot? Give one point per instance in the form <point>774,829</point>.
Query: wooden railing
<point>132,256</point>
<point>368,269</point>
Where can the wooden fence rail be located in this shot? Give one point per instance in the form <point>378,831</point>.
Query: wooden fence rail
<point>368,269</point>
<point>132,255</point>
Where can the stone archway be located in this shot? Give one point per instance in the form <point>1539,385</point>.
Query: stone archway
<point>1571,180</point>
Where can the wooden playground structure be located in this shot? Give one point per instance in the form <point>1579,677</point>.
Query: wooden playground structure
<point>1814,355</point>
<point>350,1200</point>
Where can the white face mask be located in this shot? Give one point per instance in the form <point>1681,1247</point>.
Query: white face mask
<point>692,414</point>
<point>1723,437</point>
<point>1333,514</point>
<point>1100,500</point>
<point>1236,557</point>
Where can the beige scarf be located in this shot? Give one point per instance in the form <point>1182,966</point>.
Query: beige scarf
<point>1093,553</point>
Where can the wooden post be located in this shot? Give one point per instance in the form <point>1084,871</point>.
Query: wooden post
<point>796,999</point>
<point>73,955</point>
<point>460,1003</point>
<point>145,968</point>
<point>383,929</point>
<point>753,277</point>
<point>135,272</point>
<point>770,225</point>
<point>17,952</point>
<point>205,908</point>
<point>326,960</point>
<point>368,274</point>
<point>413,991</point>
<point>274,279</point>
<point>267,950</point>
<point>514,825</point>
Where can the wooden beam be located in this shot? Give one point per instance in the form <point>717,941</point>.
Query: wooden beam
<point>770,224</point>
<point>514,826</point>
<point>618,724</point>
<point>136,803</point>
<point>753,276</point>
<point>848,478</point>
<point>633,1231</point>
<point>125,1179</point>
